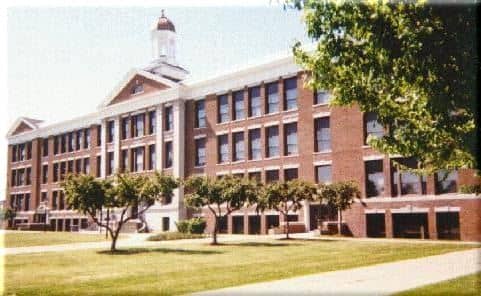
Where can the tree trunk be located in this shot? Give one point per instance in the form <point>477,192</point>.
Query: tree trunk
<point>286,217</point>
<point>115,236</point>
<point>214,234</point>
<point>339,222</point>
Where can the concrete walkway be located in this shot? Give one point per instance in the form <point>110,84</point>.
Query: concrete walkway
<point>380,279</point>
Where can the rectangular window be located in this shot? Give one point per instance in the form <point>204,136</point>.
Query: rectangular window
<point>138,159</point>
<point>45,147</point>
<point>200,114</point>
<point>110,131</point>
<point>125,160</point>
<point>27,202</point>
<point>223,148</point>
<point>321,97</point>
<point>372,127</point>
<point>110,163</point>
<point>238,153</point>
<point>14,153</point>
<point>125,128</point>
<point>63,143</point>
<point>255,144</point>
<point>98,171</point>
<point>238,98</point>
<point>324,174</point>
<point>138,125</point>
<point>70,166</point>
<point>87,139</point>
<point>446,181</point>
<point>255,102</point>
<point>71,142</point>
<point>45,174</point>
<point>272,135</point>
<point>200,152</point>
<point>290,174</point>
<point>55,172</point>
<point>79,140</point>
<point>99,135</point>
<point>152,122</point>
<point>29,150</point>
<point>44,197</point>
<point>168,155</point>
<point>290,131</point>
<point>222,109</point>
<point>272,95</point>
<point>28,178</point>
<point>61,200</point>
<point>374,178</point>
<point>290,93</point>
<point>407,182</point>
<point>13,181</point>
<point>54,200</point>
<point>272,176</point>
<point>55,145</point>
<point>21,177</point>
<point>255,176</point>
<point>152,164</point>
<point>86,167</point>
<point>63,170</point>
<point>169,118</point>
<point>78,166</point>
<point>323,134</point>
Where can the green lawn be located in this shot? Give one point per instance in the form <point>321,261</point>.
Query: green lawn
<point>177,268</point>
<point>27,239</point>
<point>466,285</point>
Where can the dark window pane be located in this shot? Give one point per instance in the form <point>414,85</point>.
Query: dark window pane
<point>374,178</point>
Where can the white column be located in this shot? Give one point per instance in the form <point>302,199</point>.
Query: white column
<point>159,140</point>
<point>116,143</point>
<point>179,153</point>
<point>103,150</point>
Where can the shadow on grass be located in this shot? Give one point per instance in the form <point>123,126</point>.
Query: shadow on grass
<point>260,244</point>
<point>133,251</point>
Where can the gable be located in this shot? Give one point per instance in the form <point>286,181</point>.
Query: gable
<point>21,128</point>
<point>147,85</point>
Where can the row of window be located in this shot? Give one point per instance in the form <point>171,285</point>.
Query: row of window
<point>21,152</point>
<point>61,169</point>
<point>21,177</point>
<point>137,161</point>
<point>133,126</point>
<point>69,142</point>
<point>20,202</point>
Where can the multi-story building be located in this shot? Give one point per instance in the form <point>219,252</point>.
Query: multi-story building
<point>258,122</point>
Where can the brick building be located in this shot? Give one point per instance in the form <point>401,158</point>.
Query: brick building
<point>258,122</point>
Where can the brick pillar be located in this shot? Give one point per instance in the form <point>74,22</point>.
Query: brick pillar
<point>147,157</point>
<point>159,140</point>
<point>94,137</point>
<point>281,93</point>
<point>246,223</point>
<point>432,229</point>
<point>146,123</point>
<point>229,224</point>
<point>387,176</point>
<point>388,224</point>
<point>262,90</point>
<point>9,174</point>
<point>246,102</point>
<point>230,102</point>
<point>263,224</point>
<point>35,176</point>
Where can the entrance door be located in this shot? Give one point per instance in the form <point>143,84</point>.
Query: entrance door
<point>447,225</point>
<point>375,225</point>
<point>412,225</point>
<point>165,223</point>
<point>254,224</point>
<point>238,224</point>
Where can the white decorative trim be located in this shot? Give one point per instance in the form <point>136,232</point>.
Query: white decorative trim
<point>272,168</point>
<point>321,114</point>
<point>222,173</point>
<point>374,211</point>
<point>322,162</point>
<point>373,157</point>
<point>254,126</point>
<point>201,136</point>
<point>237,171</point>
<point>454,196</point>
<point>447,209</point>
<point>236,130</point>
<point>254,170</point>
<point>222,132</point>
<point>409,209</point>
<point>290,166</point>
<point>271,123</point>
<point>290,120</point>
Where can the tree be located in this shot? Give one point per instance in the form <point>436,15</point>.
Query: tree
<point>220,196</point>
<point>286,197</point>
<point>10,215</point>
<point>340,196</point>
<point>411,62</point>
<point>89,196</point>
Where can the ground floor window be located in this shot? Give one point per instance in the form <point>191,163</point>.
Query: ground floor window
<point>410,225</point>
<point>238,224</point>
<point>165,223</point>
<point>222,224</point>
<point>272,221</point>
<point>447,225</point>
<point>319,214</point>
<point>254,224</point>
<point>375,225</point>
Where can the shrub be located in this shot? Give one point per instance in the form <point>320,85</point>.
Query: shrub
<point>173,236</point>
<point>194,225</point>
<point>183,226</point>
<point>469,189</point>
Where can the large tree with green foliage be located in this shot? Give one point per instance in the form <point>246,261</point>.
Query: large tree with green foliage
<point>340,196</point>
<point>286,197</point>
<point>411,62</point>
<point>90,196</point>
<point>220,196</point>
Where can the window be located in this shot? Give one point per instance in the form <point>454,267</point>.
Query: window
<point>110,131</point>
<point>71,143</point>
<point>55,145</point>
<point>223,148</point>
<point>169,118</point>
<point>125,160</point>
<point>27,202</point>
<point>28,176</point>
<point>45,147</point>
<point>222,109</point>
<point>29,150</point>
<point>255,143</point>
<point>272,176</point>
<point>54,200</point>
<point>290,131</point>
<point>110,163</point>
<point>321,97</point>
<point>373,128</point>
<point>255,176</point>
<point>152,163</point>
<point>14,153</point>
<point>125,128</point>
<point>374,178</point>
<point>138,125</point>
<point>63,143</point>
<point>272,97</point>
<point>99,135</point>
<point>79,140</point>
<point>290,174</point>
<point>137,89</point>
<point>238,153</point>
<point>44,197</point>
<point>168,155</point>
<point>70,166</point>
<point>407,182</point>
<point>200,152</point>
<point>13,181</point>
<point>165,223</point>
<point>63,170</point>
<point>98,167</point>
<point>272,134</point>
<point>255,103</point>
<point>78,166</point>
<point>238,104</point>
<point>61,200</point>
<point>152,122</point>
<point>200,113</point>
<point>324,174</point>
<point>446,182</point>
<point>45,174</point>
<point>323,134</point>
<point>290,93</point>
<point>86,167</point>
<point>138,154</point>
<point>87,139</point>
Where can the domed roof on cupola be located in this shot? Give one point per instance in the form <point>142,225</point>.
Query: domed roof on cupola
<point>165,24</point>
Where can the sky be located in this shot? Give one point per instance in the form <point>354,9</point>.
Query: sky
<point>62,62</point>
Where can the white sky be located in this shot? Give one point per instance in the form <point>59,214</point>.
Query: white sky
<point>62,62</point>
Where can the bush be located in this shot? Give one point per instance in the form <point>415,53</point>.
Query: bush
<point>173,236</point>
<point>194,225</point>
<point>470,189</point>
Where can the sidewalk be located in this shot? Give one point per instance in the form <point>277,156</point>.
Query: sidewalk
<point>380,279</point>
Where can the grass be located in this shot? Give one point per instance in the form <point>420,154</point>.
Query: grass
<point>466,285</point>
<point>174,236</point>
<point>183,268</point>
<point>27,239</point>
